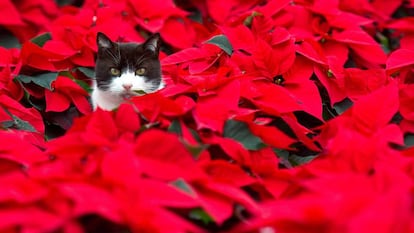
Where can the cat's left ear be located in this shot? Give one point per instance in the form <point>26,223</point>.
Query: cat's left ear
<point>153,43</point>
<point>103,41</point>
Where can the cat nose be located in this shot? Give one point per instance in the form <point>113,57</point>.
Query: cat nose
<point>127,86</point>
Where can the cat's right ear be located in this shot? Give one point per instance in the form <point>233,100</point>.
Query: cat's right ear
<point>103,41</point>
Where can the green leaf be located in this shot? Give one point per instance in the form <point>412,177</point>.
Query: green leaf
<point>409,140</point>
<point>175,127</point>
<point>64,2</point>
<point>90,73</point>
<point>181,184</point>
<point>140,92</point>
<point>249,19</point>
<point>222,42</point>
<point>342,106</point>
<point>44,80</point>
<point>8,40</point>
<point>384,41</point>
<point>7,124</point>
<point>329,73</point>
<point>195,150</point>
<point>283,156</point>
<point>196,16</point>
<point>240,132</point>
<point>39,104</point>
<point>23,125</point>
<point>291,160</point>
<point>41,39</point>
<point>296,160</point>
<point>201,215</point>
<point>18,123</point>
<point>66,73</point>
<point>83,84</point>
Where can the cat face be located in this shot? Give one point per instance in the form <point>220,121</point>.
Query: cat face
<point>124,70</point>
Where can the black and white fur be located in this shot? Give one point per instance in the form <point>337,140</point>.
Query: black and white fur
<point>110,90</point>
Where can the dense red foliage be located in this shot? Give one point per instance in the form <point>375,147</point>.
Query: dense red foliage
<point>278,116</point>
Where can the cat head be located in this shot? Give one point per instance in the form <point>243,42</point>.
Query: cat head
<point>127,69</point>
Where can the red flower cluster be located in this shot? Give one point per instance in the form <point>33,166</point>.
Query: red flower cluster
<point>278,116</point>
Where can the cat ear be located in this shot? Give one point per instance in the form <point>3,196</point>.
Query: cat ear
<point>153,43</point>
<point>103,41</point>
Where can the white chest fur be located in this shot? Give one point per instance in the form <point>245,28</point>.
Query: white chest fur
<point>104,99</point>
<point>114,96</point>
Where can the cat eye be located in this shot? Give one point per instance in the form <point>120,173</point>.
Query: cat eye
<point>115,71</point>
<point>140,71</point>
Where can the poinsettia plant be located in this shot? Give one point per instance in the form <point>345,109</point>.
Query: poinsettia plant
<point>277,116</point>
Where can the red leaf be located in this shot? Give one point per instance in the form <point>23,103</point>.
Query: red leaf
<point>25,153</point>
<point>101,130</point>
<point>17,188</point>
<point>403,24</point>
<point>120,165</point>
<point>103,202</point>
<point>71,147</point>
<point>218,200</point>
<point>337,50</point>
<point>358,37</point>
<point>154,105</point>
<point>369,115</point>
<point>406,94</point>
<point>227,173</point>
<point>240,37</point>
<point>264,162</point>
<point>66,91</point>
<point>56,102</point>
<point>273,7</point>
<point>272,61</point>
<point>173,30</point>
<point>211,111</point>
<point>363,44</point>
<point>164,194</point>
<point>152,14</point>
<point>127,118</point>
<point>221,11</point>
<point>63,48</point>
<point>334,85</point>
<point>274,99</point>
<point>8,57</point>
<point>30,218</point>
<point>359,83</point>
<point>311,50</point>
<point>399,59</point>
<point>233,149</point>
<point>185,55</point>
<point>9,14</point>
<point>31,115</point>
<point>37,57</point>
<point>386,8</point>
<point>8,86</point>
<point>170,161</point>
<point>272,136</point>
<point>81,103</point>
<point>146,146</point>
<point>297,81</point>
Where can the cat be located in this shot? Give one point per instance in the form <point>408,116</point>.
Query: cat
<point>124,70</point>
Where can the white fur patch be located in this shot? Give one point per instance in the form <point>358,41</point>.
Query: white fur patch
<point>116,94</point>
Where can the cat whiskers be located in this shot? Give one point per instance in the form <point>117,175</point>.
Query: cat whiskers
<point>141,59</point>
<point>117,59</point>
<point>153,87</point>
<point>119,51</point>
